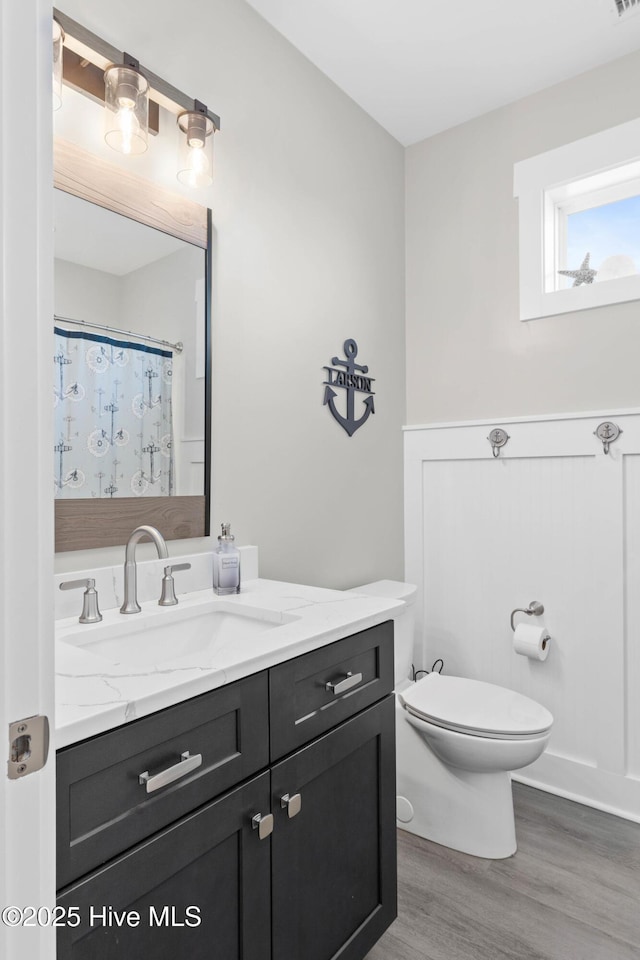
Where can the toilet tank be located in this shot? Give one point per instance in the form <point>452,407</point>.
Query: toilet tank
<point>403,620</point>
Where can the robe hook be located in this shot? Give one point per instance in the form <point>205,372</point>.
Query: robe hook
<point>497,438</point>
<point>607,432</point>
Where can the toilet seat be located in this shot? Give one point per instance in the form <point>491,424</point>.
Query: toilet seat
<point>476,708</point>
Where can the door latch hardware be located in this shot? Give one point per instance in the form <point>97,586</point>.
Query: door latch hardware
<point>28,746</point>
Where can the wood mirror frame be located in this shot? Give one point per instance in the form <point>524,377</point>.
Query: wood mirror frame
<point>85,523</point>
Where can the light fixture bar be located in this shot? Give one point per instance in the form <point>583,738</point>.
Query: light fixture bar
<point>89,46</point>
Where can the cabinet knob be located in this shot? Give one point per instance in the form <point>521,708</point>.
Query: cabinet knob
<point>263,824</point>
<point>292,804</point>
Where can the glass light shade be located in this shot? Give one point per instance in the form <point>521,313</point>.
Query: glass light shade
<point>126,110</point>
<point>195,157</point>
<point>58,44</point>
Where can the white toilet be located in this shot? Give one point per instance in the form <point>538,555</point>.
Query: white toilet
<point>457,741</point>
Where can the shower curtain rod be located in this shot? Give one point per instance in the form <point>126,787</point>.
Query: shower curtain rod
<point>178,347</point>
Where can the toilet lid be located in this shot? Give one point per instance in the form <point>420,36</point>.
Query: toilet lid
<point>475,707</point>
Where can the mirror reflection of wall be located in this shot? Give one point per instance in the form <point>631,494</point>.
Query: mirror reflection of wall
<point>129,412</point>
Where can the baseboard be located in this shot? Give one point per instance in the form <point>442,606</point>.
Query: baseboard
<point>609,792</point>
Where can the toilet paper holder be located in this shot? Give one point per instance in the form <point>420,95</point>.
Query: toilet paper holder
<point>535,609</point>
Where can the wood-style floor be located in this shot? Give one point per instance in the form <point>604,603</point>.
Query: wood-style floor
<point>571,892</point>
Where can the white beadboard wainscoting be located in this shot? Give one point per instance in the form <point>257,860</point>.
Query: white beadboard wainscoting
<point>554,519</point>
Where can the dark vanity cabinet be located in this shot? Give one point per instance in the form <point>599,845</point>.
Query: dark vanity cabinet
<point>160,853</point>
<point>278,845</point>
<point>334,860</point>
<point>204,881</point>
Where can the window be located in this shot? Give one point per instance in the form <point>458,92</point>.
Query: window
<point>579,210</point>
<point>610,232</point>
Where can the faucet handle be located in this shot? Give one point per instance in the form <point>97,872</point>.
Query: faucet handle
<point>168,596</point>
<point>90,612</point>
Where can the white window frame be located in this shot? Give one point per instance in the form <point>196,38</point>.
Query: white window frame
<point>554,183</point>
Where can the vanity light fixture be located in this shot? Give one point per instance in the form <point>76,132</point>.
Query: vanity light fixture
<point>126,107</point>
<point>58,44</point>
<point>195,156</point>
<point>135,99</point>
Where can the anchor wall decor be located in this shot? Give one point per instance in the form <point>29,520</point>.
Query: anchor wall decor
<point>351,381</point>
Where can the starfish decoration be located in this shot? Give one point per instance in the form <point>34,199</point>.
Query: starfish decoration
<point>583,275</point>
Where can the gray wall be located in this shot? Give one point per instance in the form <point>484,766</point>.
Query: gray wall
<point>309,251</point>
<point>468,354</point>
<point>86,294</point>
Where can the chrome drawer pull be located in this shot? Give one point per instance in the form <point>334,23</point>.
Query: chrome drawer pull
<point>263,824</point>
<point>186,765</point>
<point>292,804</point>
<point>351,680</point>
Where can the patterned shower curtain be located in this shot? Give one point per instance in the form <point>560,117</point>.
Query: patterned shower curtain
<point>113,424</point>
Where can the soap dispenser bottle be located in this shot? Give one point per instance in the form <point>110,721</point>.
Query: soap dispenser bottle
<point>226,563</point>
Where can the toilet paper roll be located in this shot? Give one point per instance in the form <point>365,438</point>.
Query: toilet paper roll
<point>531,641</point>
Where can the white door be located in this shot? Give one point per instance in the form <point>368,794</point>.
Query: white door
<point>27,805</point>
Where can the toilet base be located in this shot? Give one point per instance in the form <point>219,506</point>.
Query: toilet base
<point>467,811</point>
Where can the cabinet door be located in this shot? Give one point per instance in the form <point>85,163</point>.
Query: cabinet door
<point>334,861</point>
<point>211,866</point>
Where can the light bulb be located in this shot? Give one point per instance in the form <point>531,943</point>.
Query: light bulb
<point>195,163</point>
<point>126,110</point>
<point>129,126</point>
<point>198,172</point>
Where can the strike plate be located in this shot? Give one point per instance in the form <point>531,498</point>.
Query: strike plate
<point>28,746</point>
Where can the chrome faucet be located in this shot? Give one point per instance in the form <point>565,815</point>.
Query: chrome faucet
<point>131,604</point>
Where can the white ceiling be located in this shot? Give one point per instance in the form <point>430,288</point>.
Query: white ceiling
<point>421,66</point>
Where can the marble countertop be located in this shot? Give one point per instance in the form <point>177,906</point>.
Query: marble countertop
<point>94,694</point>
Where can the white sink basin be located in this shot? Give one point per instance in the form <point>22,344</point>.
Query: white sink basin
<point>181,635</point>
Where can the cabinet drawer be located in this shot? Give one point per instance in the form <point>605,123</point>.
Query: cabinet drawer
<point>103,808</point>
<point>318,690</point>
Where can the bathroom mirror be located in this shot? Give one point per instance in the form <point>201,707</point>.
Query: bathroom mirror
<point>131,377</point>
